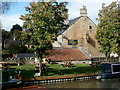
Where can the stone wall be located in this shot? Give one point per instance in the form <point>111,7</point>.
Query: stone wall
<point>26,60</point>
<point>78,31</point>
<point>103,59</point>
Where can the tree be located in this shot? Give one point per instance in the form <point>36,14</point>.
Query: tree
<point>5,35</point>
<point>15,28</point>
<point>44,20</point>
<point>16,31</point>
<point>14,48</point>
<point>108,33</point>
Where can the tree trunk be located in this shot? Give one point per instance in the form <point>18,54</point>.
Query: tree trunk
<point>119,58</point>
<point>40,65</point>
<point>107,56</point>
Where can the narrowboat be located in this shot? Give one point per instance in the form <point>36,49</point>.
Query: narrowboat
<point>109,71</point>
<point>12,82</point>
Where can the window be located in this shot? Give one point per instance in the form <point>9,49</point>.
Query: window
<point>72,42</point>
<point>90,27</point>
<point>115,68</point>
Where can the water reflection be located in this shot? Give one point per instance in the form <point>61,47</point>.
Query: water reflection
<point>87,84</point>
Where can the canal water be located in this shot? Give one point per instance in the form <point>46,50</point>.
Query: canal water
<point>111,83</point>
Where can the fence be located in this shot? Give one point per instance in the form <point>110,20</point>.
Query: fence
<point>99,60</point>
<point>25,60</point>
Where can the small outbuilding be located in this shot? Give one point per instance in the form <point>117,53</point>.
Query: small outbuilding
<point>74,55</point>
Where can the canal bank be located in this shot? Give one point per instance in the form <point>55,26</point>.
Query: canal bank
<point>85,83</point>
<point>38,81</point>
<point>63,78</point>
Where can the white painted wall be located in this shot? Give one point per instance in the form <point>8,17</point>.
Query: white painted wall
<point>113,55</point>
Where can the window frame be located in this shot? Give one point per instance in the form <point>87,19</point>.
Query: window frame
<point>72,42</point>
<point>90,27</point>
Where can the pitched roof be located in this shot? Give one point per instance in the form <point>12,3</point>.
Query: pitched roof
<point>73,21</point>
<point>66,54</point>
<point>22,55</point>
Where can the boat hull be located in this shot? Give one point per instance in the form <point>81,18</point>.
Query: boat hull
<point>109,71</point>
<point>109,76</point>
<point>6,85</point>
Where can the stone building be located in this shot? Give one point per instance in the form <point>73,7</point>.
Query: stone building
<point>80,33</point>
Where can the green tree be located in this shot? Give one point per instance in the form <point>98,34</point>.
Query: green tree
<point>14,48</point>
<point>108,33</point>
<point>5,35</point>
<point>44,20</point>
<point>16,31</point>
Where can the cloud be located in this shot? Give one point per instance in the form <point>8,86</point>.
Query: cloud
<point>92,6</point>
<point>87,1</point>
<point>74,6</point>
<point>9,20</point>
<point>18,0</point>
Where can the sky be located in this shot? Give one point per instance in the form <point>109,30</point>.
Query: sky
<point>18,8</point>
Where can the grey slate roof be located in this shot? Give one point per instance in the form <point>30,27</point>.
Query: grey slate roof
<point>22,55</point>
<point>73,21</point>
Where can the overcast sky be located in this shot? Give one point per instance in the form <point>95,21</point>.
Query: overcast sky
<point>93,7</point>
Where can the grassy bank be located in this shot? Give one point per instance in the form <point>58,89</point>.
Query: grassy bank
<point>28,71</point>
<point>56,70</point>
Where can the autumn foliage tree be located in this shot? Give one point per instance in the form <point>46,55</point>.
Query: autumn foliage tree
<point>108,33</point>
<point>44,20</point>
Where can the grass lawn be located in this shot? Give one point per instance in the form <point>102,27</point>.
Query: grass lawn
<point>28,71</point>
<point>56,70</point>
